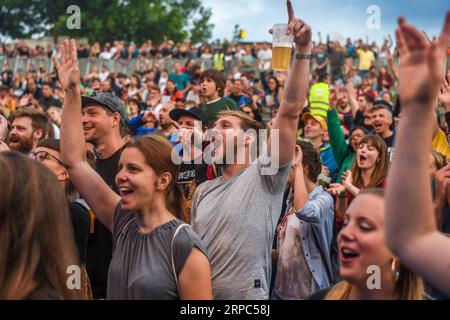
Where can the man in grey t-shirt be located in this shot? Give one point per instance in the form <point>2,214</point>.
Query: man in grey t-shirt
<point>236,214</point>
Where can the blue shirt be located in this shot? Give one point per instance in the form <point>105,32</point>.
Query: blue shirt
<point>326,154</point>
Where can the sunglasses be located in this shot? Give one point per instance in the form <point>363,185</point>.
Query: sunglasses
<point>42,155</point>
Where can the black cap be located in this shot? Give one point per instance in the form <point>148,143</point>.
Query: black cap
<point>194,112</point>
<point>107,100</point>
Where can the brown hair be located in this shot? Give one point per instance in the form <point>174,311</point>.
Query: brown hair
<point>39,120</point>
<point>408,285</point>
<point>158,155</point>
<point>311,159</point>
<point>35,232</point>
<point>218,77</point>
<point>381,167</point>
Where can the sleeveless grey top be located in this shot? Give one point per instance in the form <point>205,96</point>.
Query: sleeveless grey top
<point>141,267</point>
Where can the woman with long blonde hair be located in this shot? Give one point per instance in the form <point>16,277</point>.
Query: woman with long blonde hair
<point>370,271</point>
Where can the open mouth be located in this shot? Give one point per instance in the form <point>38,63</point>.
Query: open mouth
<point>362,157</point>
<point>348,254</point>
<point>125,193</point>
<point>378,126</point>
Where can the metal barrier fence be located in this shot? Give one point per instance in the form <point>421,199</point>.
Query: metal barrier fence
<point>21,65</point>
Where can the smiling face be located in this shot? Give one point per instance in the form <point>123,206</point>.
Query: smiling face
<point>367,156</point>
<point>98,124</point>
<point>135,180</point>
<point>361,241</point>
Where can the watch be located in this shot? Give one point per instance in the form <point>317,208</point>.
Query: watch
<point>302,56</point>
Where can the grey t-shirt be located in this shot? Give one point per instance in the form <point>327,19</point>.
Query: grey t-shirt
<point>141,267</point>
<point>236,220</point>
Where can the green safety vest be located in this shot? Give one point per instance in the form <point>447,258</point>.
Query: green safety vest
<point>218,61</point>
<point>319,100</point>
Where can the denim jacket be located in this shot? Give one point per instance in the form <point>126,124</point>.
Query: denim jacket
<point>316,233</point>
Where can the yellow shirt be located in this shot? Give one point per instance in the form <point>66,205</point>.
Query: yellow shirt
<point>366,58</point>
<point>440,144</point>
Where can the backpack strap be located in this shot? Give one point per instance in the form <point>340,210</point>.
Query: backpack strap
<point>177,230</point>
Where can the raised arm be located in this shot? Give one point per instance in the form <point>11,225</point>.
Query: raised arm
<point>410,221</point>
<point>352,98</point>
<point>91,186</point>
<point>295,90</point>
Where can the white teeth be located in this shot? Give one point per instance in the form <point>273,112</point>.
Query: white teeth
<point>348,251</point>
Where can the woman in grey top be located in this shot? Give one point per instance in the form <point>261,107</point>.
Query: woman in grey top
<point>153,258</point>
<point>144,227</point>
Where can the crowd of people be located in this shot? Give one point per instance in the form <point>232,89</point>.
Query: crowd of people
<point>89,177</point>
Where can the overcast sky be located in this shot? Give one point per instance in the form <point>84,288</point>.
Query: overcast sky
<point>339,18</point>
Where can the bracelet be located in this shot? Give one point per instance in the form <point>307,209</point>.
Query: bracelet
<point>302,56</point>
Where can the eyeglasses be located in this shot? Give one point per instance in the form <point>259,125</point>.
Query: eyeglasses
<point>42,155</point>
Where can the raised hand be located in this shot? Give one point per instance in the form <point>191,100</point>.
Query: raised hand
<point>3,128</point>
<point>297,27</point>
<point>444,94</point>
<point>335,189</point>
<point>68,70</point>
<point>421,63</point>
<point>347,179</point>
<point>298,157</point>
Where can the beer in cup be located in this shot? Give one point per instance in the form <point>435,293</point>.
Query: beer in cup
<point>281,47</point>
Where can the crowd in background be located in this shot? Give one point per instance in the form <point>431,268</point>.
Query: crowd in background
<point>329,217</point>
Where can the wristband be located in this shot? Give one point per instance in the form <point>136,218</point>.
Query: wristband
<point>301,56</point>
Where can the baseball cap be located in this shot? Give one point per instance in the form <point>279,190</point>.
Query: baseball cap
<point>194,112</point>
<point>319,119</point>
<point>107,100</point>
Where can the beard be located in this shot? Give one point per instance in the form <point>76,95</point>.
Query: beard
<point>21,144</point>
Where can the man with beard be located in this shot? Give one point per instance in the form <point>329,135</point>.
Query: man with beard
<point>166,123</point>
<point>28,127</point>
<point>236,214</point>
<point>103,116</point>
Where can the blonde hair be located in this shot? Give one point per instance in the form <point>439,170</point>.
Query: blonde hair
<point>408,286</point>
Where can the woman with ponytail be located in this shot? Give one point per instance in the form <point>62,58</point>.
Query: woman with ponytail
<point>155,255</point>
<point>369,269</point>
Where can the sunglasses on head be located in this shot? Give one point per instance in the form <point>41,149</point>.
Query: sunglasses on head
<point>42,155</point>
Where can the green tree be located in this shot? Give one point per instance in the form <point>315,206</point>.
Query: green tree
<point>107,20</point>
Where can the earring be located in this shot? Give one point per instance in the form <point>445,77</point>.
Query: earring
<point>394,270</point>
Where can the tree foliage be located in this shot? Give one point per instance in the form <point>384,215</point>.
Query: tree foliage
<point>107,20</point>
